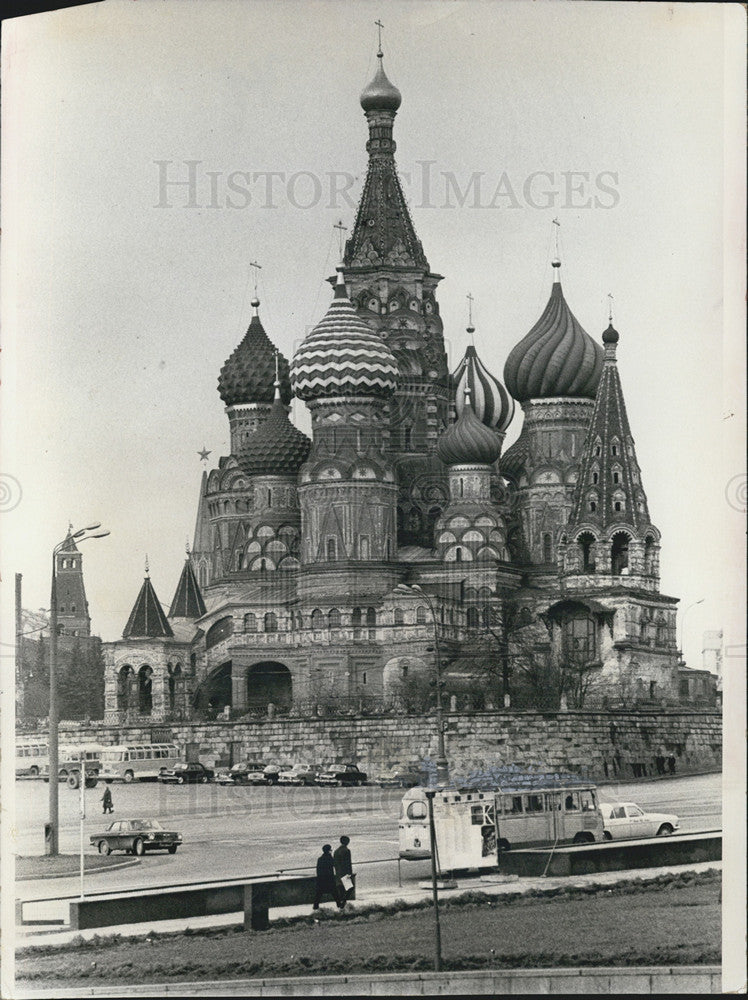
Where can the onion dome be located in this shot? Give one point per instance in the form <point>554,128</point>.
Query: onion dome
<point>342,356</point>
<point>248,375</point>
<point>512,462</point>
<point>277,448</point>
<point>610,336</point>
<point>556,358</point>
<point>468,441</point>
<point>380,94</point>
<point>490,401</point>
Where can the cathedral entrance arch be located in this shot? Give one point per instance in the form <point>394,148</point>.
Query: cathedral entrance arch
<point>268,683</point>
<point>214,694</point>
<point>125,683</point>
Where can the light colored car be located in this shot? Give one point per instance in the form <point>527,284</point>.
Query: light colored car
<point>299,774</point>
<point>627,819</point>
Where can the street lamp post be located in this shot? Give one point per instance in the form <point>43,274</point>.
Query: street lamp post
<point>434,889</point>
<point>683,625</point>
<point>52,840</point>
<point>442,766</point>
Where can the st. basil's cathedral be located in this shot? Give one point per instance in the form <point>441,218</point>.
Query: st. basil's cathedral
<point>399,540</point>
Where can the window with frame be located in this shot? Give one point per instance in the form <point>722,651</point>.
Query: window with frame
<point>533,803</point>
<point>580,637</point>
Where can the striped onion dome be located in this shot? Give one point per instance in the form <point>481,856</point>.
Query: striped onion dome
<point>342,356</point>
<point>248,375</point>
<point>557,357</point>
<point>468,441</point>
<point>277,448</point>
<point>491,402</point>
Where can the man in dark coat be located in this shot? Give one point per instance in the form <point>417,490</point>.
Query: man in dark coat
<point>342,862</point>
<point>326,882</point>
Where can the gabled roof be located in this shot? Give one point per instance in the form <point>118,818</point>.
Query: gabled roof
<point>188,601</point>
<point>147,619</point>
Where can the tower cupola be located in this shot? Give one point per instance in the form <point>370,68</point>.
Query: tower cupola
<point>380,94</point>
<point>468,441</point>
<point>489,399</point>
<point>277,448</point>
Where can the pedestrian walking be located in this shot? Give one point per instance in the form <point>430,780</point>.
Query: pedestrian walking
<point>326,881</point>
<point>343,870</point>
<point>106,799</point>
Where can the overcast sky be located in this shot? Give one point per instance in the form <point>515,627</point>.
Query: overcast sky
<point>119,311</point>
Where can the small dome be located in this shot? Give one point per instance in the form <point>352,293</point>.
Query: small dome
<point>491,402</point>
<point>556,358</point>
<point>380,94</point>
<point>468,441</point>
<point>249,374</point>
<point>512,462</point>
<point>277,448</point>
<point>342,356</point>
<point>610,336</point>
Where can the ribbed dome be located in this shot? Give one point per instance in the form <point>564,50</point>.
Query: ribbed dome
<point>468,441</point>
<point>512,462</point>
<point>380,94</point>
<point>491,402</point>
<point>249,374</point>
<point>277,448</point>
<point>342,356</point>
<point>556,358</point>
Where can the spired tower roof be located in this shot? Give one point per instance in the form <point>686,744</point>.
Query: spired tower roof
<point>249,374</point>
<point>188,601</point>
<point>147,619</point>
<point>383,234</point>
<point>342,356</point>
<point>490,401</point>
<point>609,474</point>
<point>557,357</point>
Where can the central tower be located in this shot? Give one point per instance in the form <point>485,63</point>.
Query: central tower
<point>392,288</point>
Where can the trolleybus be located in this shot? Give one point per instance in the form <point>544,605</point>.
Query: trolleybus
<point>131,761</point>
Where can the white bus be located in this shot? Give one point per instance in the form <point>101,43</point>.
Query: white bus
<point>69,763</point>
<point>32,755</point>
<point>474,826</point>
<point>131,761</point>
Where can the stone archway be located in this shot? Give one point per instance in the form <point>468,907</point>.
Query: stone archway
<point>268,683</point>
<point>214,694</point>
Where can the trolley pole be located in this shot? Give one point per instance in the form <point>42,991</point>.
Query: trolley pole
<point>437,927</point>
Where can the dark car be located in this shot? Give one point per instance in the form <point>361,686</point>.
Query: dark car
<point>341,774</point>
<point>401,776</point>
<point>253,772</point>
<point>182,774</point>
<point>136,836</point>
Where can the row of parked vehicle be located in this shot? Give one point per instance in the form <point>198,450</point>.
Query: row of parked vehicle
<point>260,773</point>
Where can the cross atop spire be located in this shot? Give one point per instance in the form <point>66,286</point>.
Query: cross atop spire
<point>147,569</point>
<point>470,327</point>
<point>341,229</point>
<point>556,262</point>
<point>379,29</point>
<point>257,268</point>
<point>610,307</point>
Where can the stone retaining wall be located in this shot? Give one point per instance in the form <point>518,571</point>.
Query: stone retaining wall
<point>598,744</point>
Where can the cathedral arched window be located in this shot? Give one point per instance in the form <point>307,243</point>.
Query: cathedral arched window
<point>318,620</point>
<point>250,622</point>
<point>462,487</point>
<point>547,548</point>
<point>72,609</point>
<point>649,555</point>
<point>399,616</point>
<point>356,623</point>
<point>473,619</point>
<point>333,618</point>
<point>371,622</point>
<point>619,553</point>
<point>270,498</point>
<point>586,543</point>
<point>62,609</point>
<point>271,622</point>
<point>407,438</point>
<point>420,615</point>
<point>458,554</point>
<point>595,478</point>
<point>363,546</point>
<point>579,633</point>
<point>332,549</point>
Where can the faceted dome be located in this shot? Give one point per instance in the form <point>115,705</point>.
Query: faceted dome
<point>468,441</point>
<point>249,374</point>
<point>342,356</point>
<point>277,448</point>
<point>556,358</point>
<point>490,401</point>
<point>380,94</point>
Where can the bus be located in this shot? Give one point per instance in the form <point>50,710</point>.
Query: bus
<point>130,761</point>
<point>32,756</point>
<point>473,826</point>
<point>69,763</point>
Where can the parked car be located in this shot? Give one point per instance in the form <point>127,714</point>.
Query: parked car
<point>224,778</point>
<point>400,776</point>
<point>187,773</point>
<point>341,774</point>
<point>136,836</point>
<point>627,819</point>
<point>299,774</point>
<point>254,773</point>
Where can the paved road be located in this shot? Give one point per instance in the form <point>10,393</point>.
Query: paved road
<point>236,831</point>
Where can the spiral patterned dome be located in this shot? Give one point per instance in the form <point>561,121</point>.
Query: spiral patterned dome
<point>556,358</point>
<point>342,356</point>
<point>277,448</point>
<point>468,441</point>
<point>380,94</point>
<point>491,402</point>
<point>249,374</point>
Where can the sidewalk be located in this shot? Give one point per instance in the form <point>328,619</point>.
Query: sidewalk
<point>494,885</point>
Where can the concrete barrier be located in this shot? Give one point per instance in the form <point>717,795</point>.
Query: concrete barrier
<point>252,897</point>
<point>585,859</point>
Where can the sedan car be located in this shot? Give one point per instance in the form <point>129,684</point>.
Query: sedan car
<point>342,774</point>
<point>254,773</point>
<point>299,774</point>
<point>401,777</point>
<point>190,772</point>
<point>627,819</point>
<point>136,836</point>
